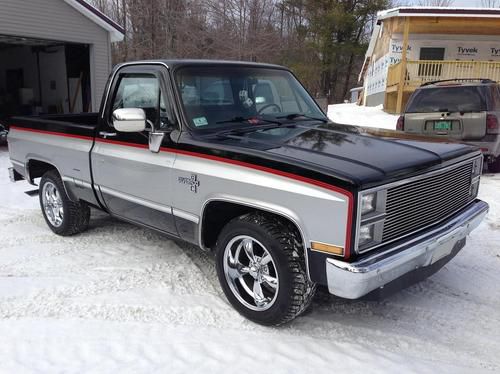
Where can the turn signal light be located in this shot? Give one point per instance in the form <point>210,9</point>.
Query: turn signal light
<point>492,126</point>
<point>400,125</point>
<point>327,248</point>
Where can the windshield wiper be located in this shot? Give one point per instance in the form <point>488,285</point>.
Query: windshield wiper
<point>254,128</point>
<point>249,120</point>
<point>297,115</point>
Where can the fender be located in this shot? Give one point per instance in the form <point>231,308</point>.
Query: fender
<point>65,180</point>
<point>258,205</point>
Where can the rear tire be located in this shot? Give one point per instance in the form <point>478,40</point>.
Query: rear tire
<point>270,286</point>
<point>63,216</point>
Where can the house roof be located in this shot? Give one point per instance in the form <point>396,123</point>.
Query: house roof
<point>417,11</point>
<point>116,31</point>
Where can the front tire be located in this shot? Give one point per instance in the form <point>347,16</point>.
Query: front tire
<point>63,216</point>
<point>261,268</point>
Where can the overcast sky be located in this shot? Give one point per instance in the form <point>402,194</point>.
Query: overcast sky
<point>467,3</point>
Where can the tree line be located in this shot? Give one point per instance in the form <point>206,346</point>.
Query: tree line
<point>322,41</point>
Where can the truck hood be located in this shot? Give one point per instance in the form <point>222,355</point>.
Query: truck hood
<point>361,155</point>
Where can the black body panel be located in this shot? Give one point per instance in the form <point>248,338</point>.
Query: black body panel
<point>260,158</point>
<point>317,269</point>
<point>139,213</point>
<point>83,125</point>
<point>187,230</point>
<point>361,157</point>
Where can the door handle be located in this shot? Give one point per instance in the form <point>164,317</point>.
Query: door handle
<point>105,134</point>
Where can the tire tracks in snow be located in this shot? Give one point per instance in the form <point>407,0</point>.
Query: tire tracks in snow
<point>114,259</point>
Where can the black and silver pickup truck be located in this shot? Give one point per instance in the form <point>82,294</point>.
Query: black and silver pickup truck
<point>237,158</point>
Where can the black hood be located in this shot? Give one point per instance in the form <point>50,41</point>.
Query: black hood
<point>361,155</point>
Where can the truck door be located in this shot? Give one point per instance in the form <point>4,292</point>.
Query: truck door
<point>134,182</point>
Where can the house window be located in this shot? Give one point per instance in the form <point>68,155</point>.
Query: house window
<point>430,69</point>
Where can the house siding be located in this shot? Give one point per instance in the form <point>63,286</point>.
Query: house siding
<point>56,20</point>
<point>375,99</point>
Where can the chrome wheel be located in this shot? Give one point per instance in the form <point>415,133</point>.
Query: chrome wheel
<point>251,273</point>
<point>52,204</point>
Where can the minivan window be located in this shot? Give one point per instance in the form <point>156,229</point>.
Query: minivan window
<point>449,99</point>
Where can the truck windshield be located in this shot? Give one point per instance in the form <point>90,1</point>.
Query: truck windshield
<point>448,99</point>
<point>222,97</point>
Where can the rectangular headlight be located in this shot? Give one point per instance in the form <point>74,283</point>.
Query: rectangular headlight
<point>477,167</point>
<point>365,234</point>
<point>474,188</point>
<point>368,203</point>
<point>371,216</point>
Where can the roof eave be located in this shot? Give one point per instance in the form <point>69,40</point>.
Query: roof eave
<point>438,12</point>
<point>116,32</point>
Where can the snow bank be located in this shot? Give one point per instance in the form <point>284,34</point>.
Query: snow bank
<point>352,114</point>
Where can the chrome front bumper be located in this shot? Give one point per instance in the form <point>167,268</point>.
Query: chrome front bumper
<point>354,280</point>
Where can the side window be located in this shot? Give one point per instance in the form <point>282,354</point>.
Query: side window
<point>143,91</point>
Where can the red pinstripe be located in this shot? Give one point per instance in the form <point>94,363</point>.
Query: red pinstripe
<point>265,169</point>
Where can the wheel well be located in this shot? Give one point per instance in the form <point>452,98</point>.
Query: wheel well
<point>218,213</point>
<point>38,168</point>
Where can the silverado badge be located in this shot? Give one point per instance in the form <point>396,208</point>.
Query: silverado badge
<point>193,182</point>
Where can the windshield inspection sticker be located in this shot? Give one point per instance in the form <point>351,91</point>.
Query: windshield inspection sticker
<point>200,121</point>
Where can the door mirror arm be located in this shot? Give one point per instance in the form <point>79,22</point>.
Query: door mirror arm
<point>156,136</point>
<point>134,120</point>
<point>150,127</point>
<point>155,140</point>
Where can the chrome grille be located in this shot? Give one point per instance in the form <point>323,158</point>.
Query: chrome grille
<point>420,203</point>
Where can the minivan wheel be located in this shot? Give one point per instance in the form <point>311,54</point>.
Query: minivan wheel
<point>63,216</point>
<point>261,267</point>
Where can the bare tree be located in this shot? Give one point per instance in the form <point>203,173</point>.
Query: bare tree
<point>443,3</point>
<point>490,3</point>
<point>323,41</point>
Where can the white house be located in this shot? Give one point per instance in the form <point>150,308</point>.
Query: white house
<point>413,45</point>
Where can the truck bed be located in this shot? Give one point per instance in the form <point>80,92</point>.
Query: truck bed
<point>73,123</point>
<point>62,141</point>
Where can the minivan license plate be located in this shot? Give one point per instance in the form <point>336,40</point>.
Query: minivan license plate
<point>442,125</point>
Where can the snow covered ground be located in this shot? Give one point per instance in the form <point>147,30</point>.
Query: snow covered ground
<point>352,114</point>
<point>118,298</point>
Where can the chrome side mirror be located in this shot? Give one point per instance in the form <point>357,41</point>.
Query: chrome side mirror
<point>129,120</point>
